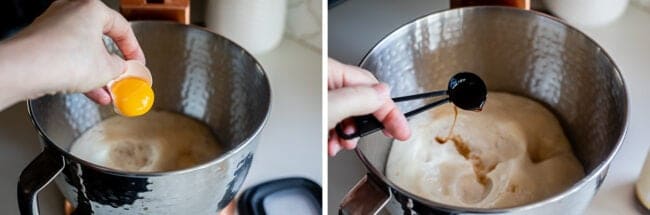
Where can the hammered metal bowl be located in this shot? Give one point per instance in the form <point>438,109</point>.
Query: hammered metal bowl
<point>195,73</point>
<point>516,51</point>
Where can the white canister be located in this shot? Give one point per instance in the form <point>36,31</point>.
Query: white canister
<point>587,13</point>
<point>643,183</point>
<point>256,25</point>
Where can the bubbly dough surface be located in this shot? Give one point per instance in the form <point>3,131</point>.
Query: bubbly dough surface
<point>512,153</point>
<point>157,141</point>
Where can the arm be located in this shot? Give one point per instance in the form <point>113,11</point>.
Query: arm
<point>63,51</point>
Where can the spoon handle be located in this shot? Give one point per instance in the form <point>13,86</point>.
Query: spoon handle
<point>368,124</point>
<point>420,96</point>
<point>425,108</point>
<point>466,90</point>
<point>363,125</point>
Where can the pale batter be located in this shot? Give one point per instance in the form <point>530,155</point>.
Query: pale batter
<point>512,153</point>
<point>157,141</point>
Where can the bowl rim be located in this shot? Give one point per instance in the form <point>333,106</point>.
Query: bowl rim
<point>577,186</point>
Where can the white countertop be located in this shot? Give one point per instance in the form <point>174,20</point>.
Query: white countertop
<point>290,145</point>
<point>355,26</point>
<point>627,43</point>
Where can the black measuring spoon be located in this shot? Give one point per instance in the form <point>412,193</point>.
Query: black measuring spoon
<point>465,90</point>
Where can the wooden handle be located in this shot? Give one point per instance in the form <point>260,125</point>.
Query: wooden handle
<point>172,10</point>
<point>522,4</point>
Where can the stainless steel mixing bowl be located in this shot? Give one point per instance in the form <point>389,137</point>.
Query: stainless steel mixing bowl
<point>516,51</point>
<point>196,73</point>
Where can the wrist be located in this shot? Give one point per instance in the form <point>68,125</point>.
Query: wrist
<point>18,71</point>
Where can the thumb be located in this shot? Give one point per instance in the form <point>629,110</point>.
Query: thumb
<point>116,66</point>
<point>106,69</point>
<point>354,101</point>
<point>109,68</point>
<point>99,94</point>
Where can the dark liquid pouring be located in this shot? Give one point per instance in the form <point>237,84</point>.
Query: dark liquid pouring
<point>480,168</point>
<point>449,136</point>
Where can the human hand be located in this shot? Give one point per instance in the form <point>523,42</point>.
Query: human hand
<point>63,51</point>
<point>353,91</point>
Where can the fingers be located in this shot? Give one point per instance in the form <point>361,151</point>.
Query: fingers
<point>348,128</point>
<point>116,67</point>
<point>350,95</point>
<point>341,75</point>
<point>354,101</point>
<point>118,29</point>
<point>99,95</point>
<point>395,124</point>
<point>335,144</point>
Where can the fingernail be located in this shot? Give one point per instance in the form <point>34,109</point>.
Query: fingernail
<point>387,134</point>
<point>349,129</point>
<point>334,149</point>
<point>382,89</point>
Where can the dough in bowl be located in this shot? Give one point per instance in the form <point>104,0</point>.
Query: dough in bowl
<point>512,153</point>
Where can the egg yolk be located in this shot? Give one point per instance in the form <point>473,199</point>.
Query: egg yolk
<point>132,96</point>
